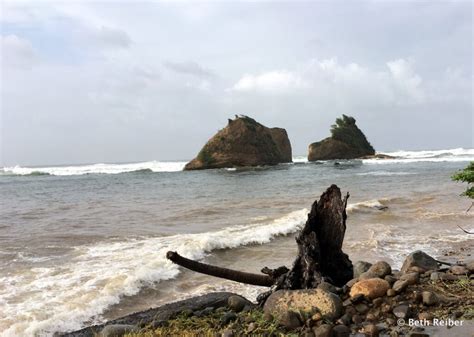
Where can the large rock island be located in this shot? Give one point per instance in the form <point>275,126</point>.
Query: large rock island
<point>243,142</point>
<point>346,142</point>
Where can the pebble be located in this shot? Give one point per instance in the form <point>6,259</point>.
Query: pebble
<point>400,285</point>
<point>290,320</point>
<point>411,278</point>
<point>324,330</point>
<point>361,267</point>
<point>390,279</point>
<point>459,270</point>
<point>429,298</point>
<point>425,315</point>
<point>362,308</point>
<point>377,302</point>
<point>391,292</point>
<point>371,330</point>
<point>435,276</point>
<point>345,319</point>
<point>341,331</point>
<point>328,287</point>
<point>357,319</point>
<point>402,311</point>
<point>228,333</point>
<point>251,327</point>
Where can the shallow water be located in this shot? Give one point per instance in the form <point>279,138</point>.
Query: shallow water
<point>79,248</point>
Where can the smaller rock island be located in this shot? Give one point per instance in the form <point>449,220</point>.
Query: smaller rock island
<point>346,142</point>
<point>243,142</point>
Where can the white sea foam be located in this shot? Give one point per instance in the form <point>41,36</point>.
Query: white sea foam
<point>385,173</point>
<point>152,166</point>
<point>63,297</point>
<point>366,206</point>
<point>451,155</point>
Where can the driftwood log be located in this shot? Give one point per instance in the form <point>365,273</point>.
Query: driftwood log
<point>320,256</point>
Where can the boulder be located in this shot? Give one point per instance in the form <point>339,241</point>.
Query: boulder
<point>371,288</point>
<point>381,269</point>
<point>411,278</point>
<point>361,267</point>
<point>346,142</point>
<point>308,301</point>
<point>419,260</point>
<point>243,142</point>
<point>400,285</point>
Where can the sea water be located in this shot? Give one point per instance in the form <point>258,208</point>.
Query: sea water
<point>86,243</point>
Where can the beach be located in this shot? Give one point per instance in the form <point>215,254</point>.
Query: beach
<point>83,244</point>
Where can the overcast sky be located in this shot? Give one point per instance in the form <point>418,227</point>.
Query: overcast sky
<point>116,81</point>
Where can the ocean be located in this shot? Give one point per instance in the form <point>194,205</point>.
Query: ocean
<point>86,243</point>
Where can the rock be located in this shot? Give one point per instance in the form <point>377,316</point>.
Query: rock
<point>346,142</point>
<point>400,285</point>
<point>345,319</point>
<point>411,278</point>
<point>390,279</point>
<point>352,282</point>
<point>421,260</point>
<point>371,330</point>
<point>371,288</point>
<point>308,301</point>
<point>361,267</point>
<point>341,331</point>
<point>289,319</point>
<point>425,316</point>
<point>448,277</point>
<point>435,276</point>
<point>402,311</point>
<point>243,142</point>
<point>429,298</point>
<point>328,287</point>
<point>227,333</point>
<point>381,269</point>
<point>367,275</point>
<point>267,316</point>
<point>117,330</point>
<point>371,317</point>
<point>357,319</point>
<point>317,317</point>
<point>228,317</point>
<point>324,330</point>
<point>237,303</point>
<point>377,302</point>
<point>470,266</point>
<point>459,270</point>
<point>362,308</point>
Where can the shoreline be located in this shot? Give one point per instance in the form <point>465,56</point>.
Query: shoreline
<point>454,291</point>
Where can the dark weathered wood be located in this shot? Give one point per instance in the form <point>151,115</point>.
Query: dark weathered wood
<point>320,256</point>
<point>229,274</point>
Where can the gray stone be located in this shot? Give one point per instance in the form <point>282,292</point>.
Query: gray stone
<point>390,279</point>
<point>402,311</point>
<point>367,275</point>
<point>459,270</point>
<point>117,330</point>
<point>421,261</point>
<point>345,319</point>
<point>341,331</point>
<point>352,282</point>
<point>435,276</point>
<point>328,287</point>
<point>362,308</point>
<point>289,319</point>
<point>306,301</point>
<point>400,285</point>
<point>411,278</point>
<point>391,293</point>
<point>361,267</point>
<point>237,303</point>
<point>448,277</point>
<point>429,298</point>
<point>470,266</point>
<point>381,269</point>
<point>324,330</point>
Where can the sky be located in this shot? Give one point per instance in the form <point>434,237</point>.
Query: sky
<point>121,81</point>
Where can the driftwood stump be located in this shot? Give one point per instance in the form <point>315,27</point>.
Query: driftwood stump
<point>320,256</point>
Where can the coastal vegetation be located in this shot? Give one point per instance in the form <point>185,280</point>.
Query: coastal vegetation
<point>347,141</point>
<point>466,175</point>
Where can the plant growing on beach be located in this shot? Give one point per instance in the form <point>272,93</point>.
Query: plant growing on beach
<point>466,175</point>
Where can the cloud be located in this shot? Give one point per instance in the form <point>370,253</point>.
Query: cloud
<point>109,37</point>
<point>189,68</point>
<point>16,52</point>
<point>273,81</point>
<point>330,80</point>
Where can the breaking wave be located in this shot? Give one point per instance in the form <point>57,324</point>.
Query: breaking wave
<point>63,297</point>
<point>454,155</point>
